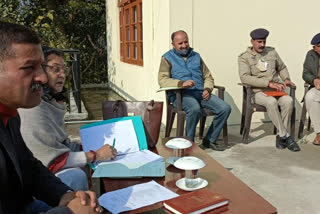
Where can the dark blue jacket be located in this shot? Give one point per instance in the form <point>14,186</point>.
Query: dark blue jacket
<point>22,176</point>
<point>189,69</point>
<point>310,67</point>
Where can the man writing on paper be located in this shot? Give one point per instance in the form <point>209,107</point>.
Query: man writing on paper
<point>311,74</point>
<point>183,67</point>
<point>22,177</point>
<point>42,128</point>
<point>261,66</point>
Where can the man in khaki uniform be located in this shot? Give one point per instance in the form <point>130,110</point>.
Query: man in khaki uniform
<point>261,66</point>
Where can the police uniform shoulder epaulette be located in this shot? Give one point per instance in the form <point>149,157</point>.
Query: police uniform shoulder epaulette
<point>242,54</point>
<point>268,48</point>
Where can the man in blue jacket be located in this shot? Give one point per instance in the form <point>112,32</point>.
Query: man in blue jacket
<point>22,176</point>
<point>183,67</point>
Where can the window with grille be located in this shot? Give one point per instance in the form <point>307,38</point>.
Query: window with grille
<point>131,41</point>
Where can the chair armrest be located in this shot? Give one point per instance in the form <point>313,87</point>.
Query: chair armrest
<point>247,93</point>
<point>219,87</point>
<point>247,90</point>
<point>245,85</point>
<point>292,87</point>
<point>221,90</point>
<point>179,99</point>
<point>292,91</point>
<point>306,89</point>
<point>250,86</point>
<point>169,88</point>
<point>178,92</point>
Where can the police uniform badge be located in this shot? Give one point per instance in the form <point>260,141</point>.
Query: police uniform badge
<point>262,65</point>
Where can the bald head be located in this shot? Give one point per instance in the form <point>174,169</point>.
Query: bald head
<point>177,32</point>
<point>180,42</point>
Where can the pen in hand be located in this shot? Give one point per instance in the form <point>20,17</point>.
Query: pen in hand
<point>114,142</point>
<point>114,151</point>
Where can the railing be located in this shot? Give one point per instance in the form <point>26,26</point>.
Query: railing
<point>74,59</point>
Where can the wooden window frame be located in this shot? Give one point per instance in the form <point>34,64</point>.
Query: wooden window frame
<point>131,42</point>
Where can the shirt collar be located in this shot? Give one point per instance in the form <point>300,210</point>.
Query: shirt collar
<point>6,113</point>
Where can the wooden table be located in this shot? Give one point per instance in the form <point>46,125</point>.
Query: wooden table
<point>243,200</point>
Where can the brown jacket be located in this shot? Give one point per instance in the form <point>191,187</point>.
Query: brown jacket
<point>258,69</point>
<point>165,80</point>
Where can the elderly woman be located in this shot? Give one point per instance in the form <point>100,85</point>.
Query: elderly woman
<point>42,128</point>
<point>311,75</point>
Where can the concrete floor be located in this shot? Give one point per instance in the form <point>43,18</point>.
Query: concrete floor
<point>290,181</point>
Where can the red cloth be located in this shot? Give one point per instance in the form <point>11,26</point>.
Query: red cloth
<point>275,93</point>
<point>6,113</point>
<point>59,163</point>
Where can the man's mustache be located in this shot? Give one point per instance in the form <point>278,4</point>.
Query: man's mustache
<point>262,47</point>
<point>35,86</point>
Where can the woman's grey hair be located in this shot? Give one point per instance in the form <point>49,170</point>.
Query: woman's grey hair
<point>47,51</point>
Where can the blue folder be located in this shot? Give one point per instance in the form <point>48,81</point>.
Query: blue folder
<point>130,170</point>
<point>137,123</point>
<point>138,127</point>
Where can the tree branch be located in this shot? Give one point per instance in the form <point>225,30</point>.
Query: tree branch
<point>99,50</point>
<point>91,61</point>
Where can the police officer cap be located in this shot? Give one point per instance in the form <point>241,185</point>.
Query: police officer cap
<point>259,33</point>
<point>316,39</point>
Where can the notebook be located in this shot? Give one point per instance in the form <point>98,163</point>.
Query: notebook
<point>197,202</point>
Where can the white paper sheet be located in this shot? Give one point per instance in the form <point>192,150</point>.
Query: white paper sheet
<point>136,196</point>
<point>123,131</point>
<point>143,156</point>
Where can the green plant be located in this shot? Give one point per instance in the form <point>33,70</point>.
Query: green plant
<point>66,24</point>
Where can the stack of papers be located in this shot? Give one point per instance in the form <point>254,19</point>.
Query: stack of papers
<point>133,159</point>
<point>128,133</point>
<point>134,197</point>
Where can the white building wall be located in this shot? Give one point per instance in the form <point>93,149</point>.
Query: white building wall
<point>219,31</point>
<point>131,81</point>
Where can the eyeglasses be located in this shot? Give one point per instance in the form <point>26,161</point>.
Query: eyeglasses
<point>57,68</point>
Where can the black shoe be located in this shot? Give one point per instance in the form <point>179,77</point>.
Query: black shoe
<point>292,145</point>
<point>281,142</point>
<point>205,143</point>
<point>214,146</point>
<point>217,147</point>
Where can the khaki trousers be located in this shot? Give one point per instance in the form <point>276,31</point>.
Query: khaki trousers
<point>280,119</point>
<point>312,100</point>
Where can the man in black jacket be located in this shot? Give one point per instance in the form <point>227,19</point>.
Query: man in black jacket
<point>23,177</point>
<point>311,74</point>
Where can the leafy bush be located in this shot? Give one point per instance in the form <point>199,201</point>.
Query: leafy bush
<point>66,24</point>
